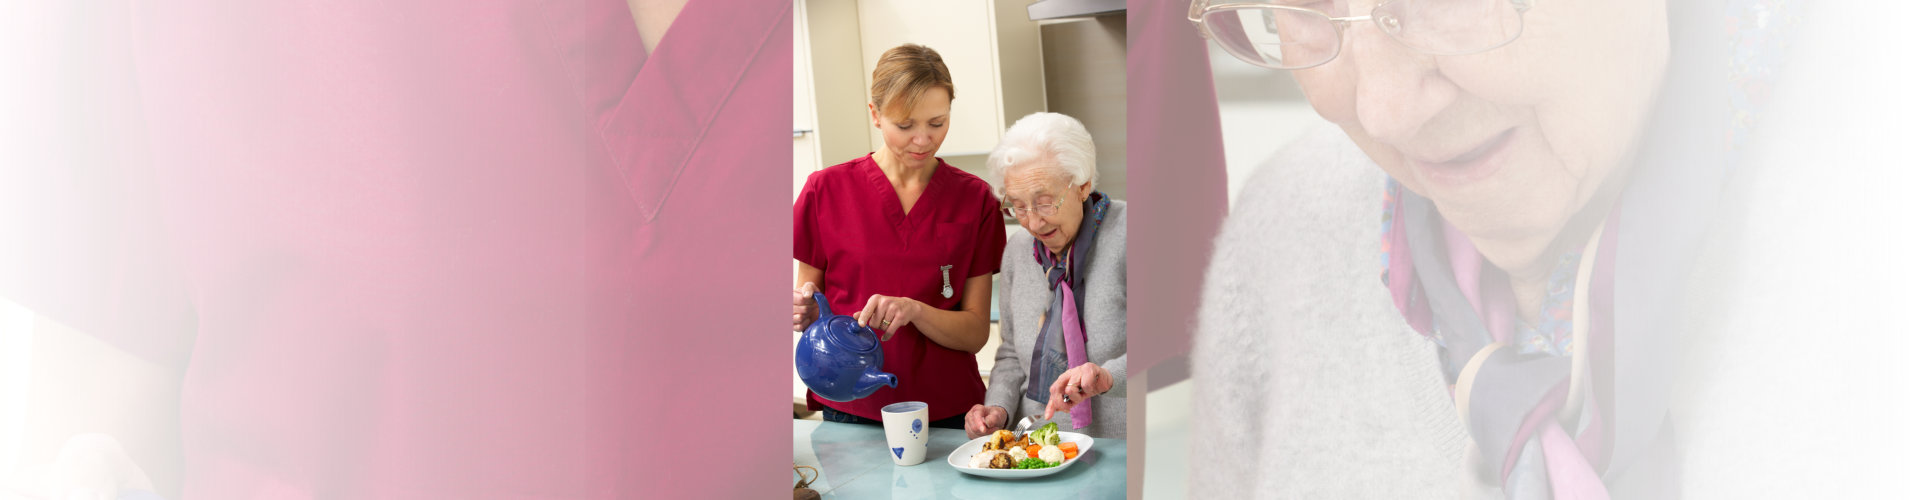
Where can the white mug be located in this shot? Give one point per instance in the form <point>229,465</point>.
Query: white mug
<point>907,431</point>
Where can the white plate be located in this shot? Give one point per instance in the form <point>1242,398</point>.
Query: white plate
<point>962,457</point>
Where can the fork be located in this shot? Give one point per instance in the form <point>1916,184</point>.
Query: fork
<point>1025,422</point>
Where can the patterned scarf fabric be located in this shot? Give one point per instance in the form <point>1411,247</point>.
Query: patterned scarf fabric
<point>1522,390</point>
<point>1557,408</point>
<point>1063,341</point>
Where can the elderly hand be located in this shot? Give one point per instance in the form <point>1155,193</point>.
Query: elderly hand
<point>889,313</point>
<point>1076,385</point>
<point>983,420</point>
<point>804,310</point>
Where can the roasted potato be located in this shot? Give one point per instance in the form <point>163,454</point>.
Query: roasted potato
<point>997,441</point>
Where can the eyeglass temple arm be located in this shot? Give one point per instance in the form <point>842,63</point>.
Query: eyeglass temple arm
<point>1196,8</point>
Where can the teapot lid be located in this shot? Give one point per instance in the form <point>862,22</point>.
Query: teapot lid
<point>850,336</point>
<point>844,331</point>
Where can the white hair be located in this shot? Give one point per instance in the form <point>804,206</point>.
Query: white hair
<point>1039,137</point>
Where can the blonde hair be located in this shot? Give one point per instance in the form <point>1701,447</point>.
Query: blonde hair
<point>903,74</point>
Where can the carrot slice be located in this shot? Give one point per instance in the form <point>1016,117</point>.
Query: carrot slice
<point>1033,450</point>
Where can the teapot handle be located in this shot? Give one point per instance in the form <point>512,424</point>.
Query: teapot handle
<point>820,299</point>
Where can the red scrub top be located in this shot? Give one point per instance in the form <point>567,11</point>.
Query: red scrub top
<point>429,249</point>
<point>848,222</point>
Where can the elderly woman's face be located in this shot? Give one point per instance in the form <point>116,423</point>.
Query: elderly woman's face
<point>915,138</point>
<point>1029,188</point>
<point>1508,143</point>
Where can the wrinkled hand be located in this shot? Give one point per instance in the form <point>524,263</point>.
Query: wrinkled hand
<point>983,420</point>
<point>92,466</point>
<point>804,310</point>
<point>889,313</point>
<point>1076,385</point>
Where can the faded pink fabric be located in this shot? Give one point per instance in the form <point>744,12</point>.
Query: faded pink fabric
<point>439,249</point>
<point>1177,173</point>
<point>1568,472</point>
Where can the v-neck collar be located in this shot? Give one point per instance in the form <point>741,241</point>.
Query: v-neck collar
<point>676,92</point>
<point>901,217</point>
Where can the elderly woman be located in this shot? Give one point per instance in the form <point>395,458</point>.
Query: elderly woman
<point>907,241</point>
<point>1063,315</point>
<point>1539,227</point>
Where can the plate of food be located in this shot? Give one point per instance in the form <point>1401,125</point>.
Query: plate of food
<point>1002,455</point>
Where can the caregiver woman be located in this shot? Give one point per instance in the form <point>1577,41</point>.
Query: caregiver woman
<point>1063,313</point>
<point>908,242</point>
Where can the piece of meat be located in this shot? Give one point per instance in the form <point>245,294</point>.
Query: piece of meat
<point>1001,460</point>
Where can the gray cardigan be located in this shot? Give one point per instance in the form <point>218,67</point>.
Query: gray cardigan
<point>1307,383</point>
<point>1104,308</point>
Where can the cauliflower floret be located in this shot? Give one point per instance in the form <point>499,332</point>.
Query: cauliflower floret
<point>1018,453</point>
<point>1052,454</point>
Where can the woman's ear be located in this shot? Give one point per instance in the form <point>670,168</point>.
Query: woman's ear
<point>874,114</point>
<point>1086,190</point>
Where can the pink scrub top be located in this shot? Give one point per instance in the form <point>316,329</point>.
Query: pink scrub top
<point>848,222</point>
<point>437,249</point>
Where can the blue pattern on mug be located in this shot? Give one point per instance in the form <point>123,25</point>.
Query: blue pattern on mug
<point>897,451</point>
<point>916,428</point>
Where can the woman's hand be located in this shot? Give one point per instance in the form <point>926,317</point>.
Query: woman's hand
<point>983,420</point>
<point>1076,385</point>
<point>889,313</point>
<point>804,310</point>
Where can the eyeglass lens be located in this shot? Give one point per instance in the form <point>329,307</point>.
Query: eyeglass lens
<point>1289,37</point>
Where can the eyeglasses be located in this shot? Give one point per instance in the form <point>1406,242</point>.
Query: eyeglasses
<point>1296,37</point>
<point>1015,213</point>
<point>1049,210</point>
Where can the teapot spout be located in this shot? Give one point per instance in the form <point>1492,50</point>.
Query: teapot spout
<point>873,378</point>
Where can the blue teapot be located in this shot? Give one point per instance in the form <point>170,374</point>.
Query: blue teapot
<point>838,358</point>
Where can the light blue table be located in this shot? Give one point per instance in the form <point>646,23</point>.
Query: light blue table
<point>854,464</point>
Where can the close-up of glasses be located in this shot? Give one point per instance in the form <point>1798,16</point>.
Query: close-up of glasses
<point>1282,36</point>
<point>1043,210</point>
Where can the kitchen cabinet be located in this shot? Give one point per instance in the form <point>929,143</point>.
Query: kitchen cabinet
<point>990,47</point>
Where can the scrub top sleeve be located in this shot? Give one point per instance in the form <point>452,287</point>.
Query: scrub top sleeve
<point>991,241</point>
<point>806,237</point>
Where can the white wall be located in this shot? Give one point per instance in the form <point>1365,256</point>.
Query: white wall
<point>1261,111</point>
<point>16,357</point>
<point>1086,78</point>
